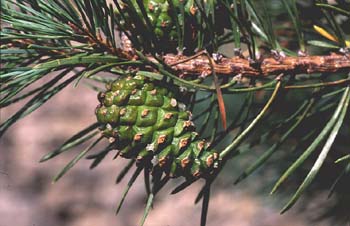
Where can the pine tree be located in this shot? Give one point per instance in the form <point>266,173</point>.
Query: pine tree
<point>288,69</point>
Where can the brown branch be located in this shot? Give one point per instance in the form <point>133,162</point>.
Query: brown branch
<point>269,66</point>
<point>199,64</point>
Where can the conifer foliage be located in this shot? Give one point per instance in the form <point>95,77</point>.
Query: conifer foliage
<point>156,63</point>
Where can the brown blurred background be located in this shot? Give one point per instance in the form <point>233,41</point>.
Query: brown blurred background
<point>88,198</point>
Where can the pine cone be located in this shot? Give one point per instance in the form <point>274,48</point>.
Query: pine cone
<point>145,122</point>
<point>161,15</point>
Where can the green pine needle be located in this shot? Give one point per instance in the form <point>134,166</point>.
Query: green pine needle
<point>127,188</point>
<point>76,159</point>
<point>326,130</point>
<point>79,138</point>
<point>263,158</point>
<point>147,209</point>
<point>339,116</point>
<point>125,171</point>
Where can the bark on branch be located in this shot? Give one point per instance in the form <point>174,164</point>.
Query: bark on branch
<point>201,64</point>
<point>270,66</point>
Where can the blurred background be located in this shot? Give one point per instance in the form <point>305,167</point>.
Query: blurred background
<point>89,198</point>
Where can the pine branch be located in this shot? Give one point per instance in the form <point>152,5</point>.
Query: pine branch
<point>270,66</point>
<point>44,36</point>
<point>200,65</point>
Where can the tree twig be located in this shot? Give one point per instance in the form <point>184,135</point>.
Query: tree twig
<point>198,63</point>
<point>269,66</point>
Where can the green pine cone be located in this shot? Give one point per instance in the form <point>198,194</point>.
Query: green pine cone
<point>159,13</point>
<point>145,122</point>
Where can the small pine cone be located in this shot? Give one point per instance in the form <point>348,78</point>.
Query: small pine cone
<point>161,15</point>
<point>144,121</point>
